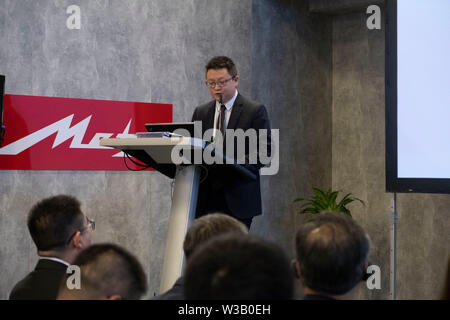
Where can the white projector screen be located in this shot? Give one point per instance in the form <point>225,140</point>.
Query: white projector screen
<point>423,82</point>
<point>421,41</point>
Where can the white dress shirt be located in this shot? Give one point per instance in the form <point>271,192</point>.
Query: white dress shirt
<point>55,259</point>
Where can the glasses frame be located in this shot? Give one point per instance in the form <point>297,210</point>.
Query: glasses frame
<point>90,224</point>
<point>220,83</point>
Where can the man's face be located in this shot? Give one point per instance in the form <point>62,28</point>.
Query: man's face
<point>86,232</point>
<point>227,90</point>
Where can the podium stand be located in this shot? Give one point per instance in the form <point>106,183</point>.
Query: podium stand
<point>156,152</point>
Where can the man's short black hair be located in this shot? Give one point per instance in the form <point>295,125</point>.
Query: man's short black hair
<point>107,270</point>
<point>52,220</point>
<point>222,62</point>
<point>332,251</point>
<point>239,267</point>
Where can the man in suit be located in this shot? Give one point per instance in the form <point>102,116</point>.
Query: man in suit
<point>200,231</point>
<point>332,256</point>
<point>224,190</point>
<point>60,231</point>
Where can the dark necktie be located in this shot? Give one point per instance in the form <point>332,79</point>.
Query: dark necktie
<point>221,120</point>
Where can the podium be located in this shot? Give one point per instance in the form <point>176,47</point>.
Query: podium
<point>156,152</point>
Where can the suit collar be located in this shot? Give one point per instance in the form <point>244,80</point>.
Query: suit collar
<point>229,104</point>
<point>55,259</point>
<point>210,115</point>
<point>235,112</point>
<point>50,264</point>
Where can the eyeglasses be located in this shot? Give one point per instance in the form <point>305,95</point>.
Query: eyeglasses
<point>90,224</point>
<point>220,83</point>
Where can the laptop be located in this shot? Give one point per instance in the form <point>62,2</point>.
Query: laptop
<point>171,127</point>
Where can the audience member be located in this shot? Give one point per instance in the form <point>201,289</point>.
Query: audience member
<point>60,231</point>
<point>238,267</point>
<point>107,271</point>
<point>200,231</point>
<point>332,254</point>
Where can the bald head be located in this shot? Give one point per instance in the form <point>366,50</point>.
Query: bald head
<point>332,253</point>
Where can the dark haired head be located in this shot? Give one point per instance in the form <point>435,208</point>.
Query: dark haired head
<point>239,267</point>
<point>222,62</point>
<point>52,221</point>
<point>208,226</point>
<point>332,252</point>
<point>107,270</point>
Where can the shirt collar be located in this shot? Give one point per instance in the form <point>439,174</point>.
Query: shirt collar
<point>229,103</point>
<point>55,259</point>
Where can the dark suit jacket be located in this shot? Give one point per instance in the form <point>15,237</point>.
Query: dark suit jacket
<point>243,196</point>
<point>42,283</point>
<point>174,293</point>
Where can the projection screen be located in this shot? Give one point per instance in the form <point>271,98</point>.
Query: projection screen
<point>418,96</point>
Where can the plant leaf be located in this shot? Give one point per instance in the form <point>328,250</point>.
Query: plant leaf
<point>310,210</point>
<point>333,196</point>
<point>326,201</point>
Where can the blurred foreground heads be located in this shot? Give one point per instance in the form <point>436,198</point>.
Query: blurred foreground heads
<point>107,272</point>
<point>238,267</point>
<point>200,231</point>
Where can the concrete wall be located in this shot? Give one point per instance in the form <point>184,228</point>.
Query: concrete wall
<point>293,77</point>
<point>292,49</point>
<point>359,166</point>
<point>358,133</point>
<point>320,75</point>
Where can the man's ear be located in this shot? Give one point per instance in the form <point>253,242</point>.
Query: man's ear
<point>77,242</point>
<point>365,275</point>
<point>296,268</point>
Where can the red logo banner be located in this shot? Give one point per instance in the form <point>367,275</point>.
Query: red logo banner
<point>46,133</point>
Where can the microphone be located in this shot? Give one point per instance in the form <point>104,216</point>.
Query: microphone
<point>220,99</point>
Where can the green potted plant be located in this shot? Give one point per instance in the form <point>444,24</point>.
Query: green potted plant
<point>326,201</point>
